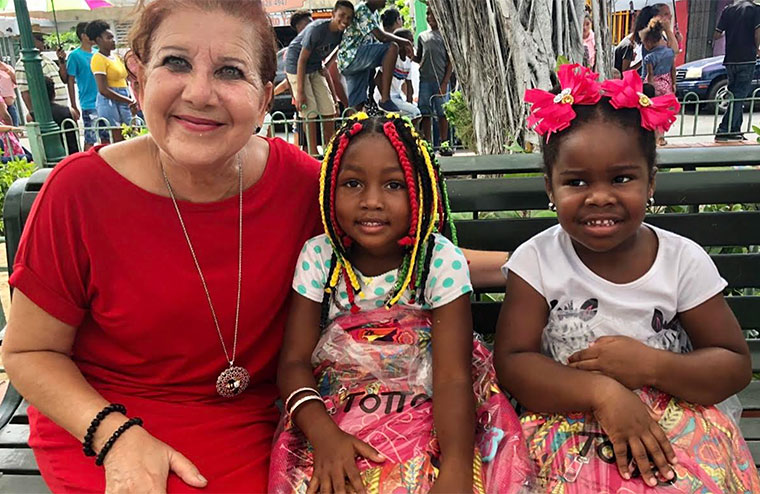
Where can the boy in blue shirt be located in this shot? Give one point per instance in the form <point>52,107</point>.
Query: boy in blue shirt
<point>78,67</point>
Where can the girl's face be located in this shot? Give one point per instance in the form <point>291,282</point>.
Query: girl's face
<point>371,198</point>
<point>600,184</point>
<point>107,40</point>
<point>586,28</point>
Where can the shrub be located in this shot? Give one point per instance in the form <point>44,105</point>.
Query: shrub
<point>9,173</point>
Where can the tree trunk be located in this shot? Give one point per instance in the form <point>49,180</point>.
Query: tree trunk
<point>500,48</point>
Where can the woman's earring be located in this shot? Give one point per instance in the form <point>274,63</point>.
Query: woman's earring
<point>650,202</point>
<point>552,207</point>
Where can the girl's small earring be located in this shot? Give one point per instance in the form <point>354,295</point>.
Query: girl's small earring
<point>552,207</point>
<point>650,202</point>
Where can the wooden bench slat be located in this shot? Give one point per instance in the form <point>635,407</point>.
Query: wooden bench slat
<point>747,311</point>
<point>677,188</point>
<point>754,449</point>
<point>28,484</point>
<point>666,158</point>
<point>22,415</point>
<point>14,436</point>
<point>754,351</point>
<point>707,229</point>
<point>750,427</point>
<point>18,461</point>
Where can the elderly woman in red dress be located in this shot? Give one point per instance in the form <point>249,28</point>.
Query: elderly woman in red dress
<point>153,276</point>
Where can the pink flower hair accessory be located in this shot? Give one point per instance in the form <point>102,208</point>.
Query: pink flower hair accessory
<point>657,114</point>
<point>551,113</point>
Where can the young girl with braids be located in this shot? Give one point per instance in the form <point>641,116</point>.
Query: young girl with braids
<point>613,331</point>
<point>385,391</point>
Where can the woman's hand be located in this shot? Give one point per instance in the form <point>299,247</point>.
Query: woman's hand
<point>134,108</point>
<point>335,467</point>
<point>140,463</point>
<point>630,425</point>
<point>628,361</point>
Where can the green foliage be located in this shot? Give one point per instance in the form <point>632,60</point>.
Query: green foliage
<point>458,114</point>
<point>561,60</point>
<point>756,130</point>
<point>9,172</point>
<point>130,131</point>
<point>69,40</point>
<point>406,13</point>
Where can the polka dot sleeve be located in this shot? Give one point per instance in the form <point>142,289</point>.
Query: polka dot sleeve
<point>312,267</point>
<point>449,276</point>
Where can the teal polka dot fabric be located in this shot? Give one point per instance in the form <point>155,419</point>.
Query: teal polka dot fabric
<point>448,278</point>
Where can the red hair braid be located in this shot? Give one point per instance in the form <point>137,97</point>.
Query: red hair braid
<point>342,145</point>
<point>406,166</point>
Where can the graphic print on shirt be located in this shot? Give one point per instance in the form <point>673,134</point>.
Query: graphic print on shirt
<point>668,335</point>
<point>569,329</point>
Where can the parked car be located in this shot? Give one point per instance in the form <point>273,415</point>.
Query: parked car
<point>282,102</point>
<point>708,80</point>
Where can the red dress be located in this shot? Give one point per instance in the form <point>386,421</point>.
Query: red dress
<point>105,256</point>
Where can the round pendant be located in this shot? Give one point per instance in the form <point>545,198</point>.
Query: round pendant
<point>232,381</point>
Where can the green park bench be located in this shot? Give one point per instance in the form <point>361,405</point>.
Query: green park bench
<point>475,201</point>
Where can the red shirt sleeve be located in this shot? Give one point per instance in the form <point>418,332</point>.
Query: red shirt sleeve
<point>52,263</point>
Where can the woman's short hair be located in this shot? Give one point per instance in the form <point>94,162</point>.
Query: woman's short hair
<point>151,14</point>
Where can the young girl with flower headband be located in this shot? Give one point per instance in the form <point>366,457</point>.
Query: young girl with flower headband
<point>615,333</point>
<point>384,389</point>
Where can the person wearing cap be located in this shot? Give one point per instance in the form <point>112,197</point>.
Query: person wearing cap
<point>50,69</point>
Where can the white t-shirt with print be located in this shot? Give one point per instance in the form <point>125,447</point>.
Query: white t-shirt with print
<point>448,279</point>
<point>400,75</point>
<point>584,306</point>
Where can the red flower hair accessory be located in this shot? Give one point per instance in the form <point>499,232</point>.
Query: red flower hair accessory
<point>657,114</point>
<point>552,113</point>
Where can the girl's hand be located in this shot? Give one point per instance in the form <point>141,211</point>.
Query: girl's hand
<point>335,463</point>
<point>628,361</point>
<point>140,463</point>
<point>630,425</point>
<point>453,480</point>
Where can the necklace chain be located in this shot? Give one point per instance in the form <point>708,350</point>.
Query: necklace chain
<point>231,360</point>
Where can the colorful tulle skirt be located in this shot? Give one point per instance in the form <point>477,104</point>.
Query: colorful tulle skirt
<point>374,370</point>
<point>573,455</point>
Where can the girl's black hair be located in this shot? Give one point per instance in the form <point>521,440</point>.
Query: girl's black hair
<point>642,20</point>
<point>654,33</point>
<point>390,17</point>
<point>96,28</point>
<point>626,118</point>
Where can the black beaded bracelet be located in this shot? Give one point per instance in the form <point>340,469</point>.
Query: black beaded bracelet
<point>87,443</point>
<point>109,444</point>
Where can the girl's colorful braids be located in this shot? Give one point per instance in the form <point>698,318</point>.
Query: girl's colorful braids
<point>423,198</point>
<point>428,206</point>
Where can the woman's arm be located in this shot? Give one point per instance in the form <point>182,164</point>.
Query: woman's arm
<point>106,91</point>
<point>36,353</point>
<point>485,267</point>
<point>650,73</point>
<point>453,403</point>
<point>334,450</point>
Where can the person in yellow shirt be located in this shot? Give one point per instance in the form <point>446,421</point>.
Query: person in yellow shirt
<point>114,102</point>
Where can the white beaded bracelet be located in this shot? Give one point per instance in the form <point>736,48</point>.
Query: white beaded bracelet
<point>303,400</point>
<point>297,392</point>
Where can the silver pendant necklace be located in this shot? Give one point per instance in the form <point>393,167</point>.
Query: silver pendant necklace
<point>234,379</point>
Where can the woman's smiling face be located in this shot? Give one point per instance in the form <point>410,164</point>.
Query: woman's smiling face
<point>202,95</point>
